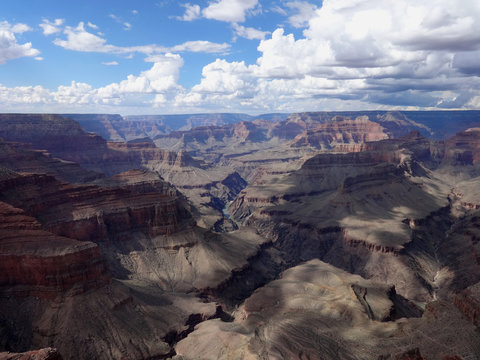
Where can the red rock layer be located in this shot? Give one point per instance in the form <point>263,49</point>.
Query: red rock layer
<point>42,354</point>
<point>341,131</point>
<point>65,139</point>
<point>468,301</point>
<point>464,147</point>
<point>413,354</point>
<point>92,212</point>
<point>34,262</point>
<point>23,158</point>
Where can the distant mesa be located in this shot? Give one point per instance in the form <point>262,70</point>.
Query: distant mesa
<point>330,235</point>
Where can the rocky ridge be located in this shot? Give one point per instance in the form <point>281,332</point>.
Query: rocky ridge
<point>304,219</point>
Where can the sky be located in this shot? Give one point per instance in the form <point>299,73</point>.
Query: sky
<point>250,56</point>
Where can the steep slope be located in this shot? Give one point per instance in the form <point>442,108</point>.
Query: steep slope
<point>38,263</point>
<point>48,132</point>
<point>148,239</point>
<point>341,131</point>
<point>114,127</point>
<point>357,211</point>
<point>400,212</point>
<point>65,139</point>
<point>22,157</point>
<point>317,311</point>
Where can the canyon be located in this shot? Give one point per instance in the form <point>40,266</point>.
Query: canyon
<point>328,235</point>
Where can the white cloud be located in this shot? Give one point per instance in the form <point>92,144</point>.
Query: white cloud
<point>38,58</point>
<point>135,12</point>
<point>126,25</point>
<point>249,33</point>
<point>162,78</point>
<point>79,39</point>
<point>364,53</point>
<point>229,10</point>
<point>146,89</point>
<point>222,77</point>
<point>279,10</point>
<point>20,28</point>
<point>200,46</point>
<point>92,26</point>
<point>76,93</point>
<point>9,48</point>
<point>110,63</point>
<point>51,27</point>
<point>352,54</point>
<point>192,12</point>
<point>304,11</point>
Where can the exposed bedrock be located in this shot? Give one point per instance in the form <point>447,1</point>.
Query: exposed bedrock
<point>121,320</point>
<point>65,139</point>
<point>42,354</point>
<point>92,212</point>
<point>468,301</point>
<point>34,262</point>
<point>317,311</point>
<point>23,157</point>
<point>341,131</point>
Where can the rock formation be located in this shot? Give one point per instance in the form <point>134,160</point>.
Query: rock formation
<point>42,354</point>
<point>341,131</point>
<point>318,311</point>
<point>321,235</point>
<point>38,263</point>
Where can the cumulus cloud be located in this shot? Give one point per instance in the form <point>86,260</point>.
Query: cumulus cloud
<point>370,39</point>
<point>19,28</point>
<point>51,27</point>
<point>369,53</point>
<point>304,11</point>
<point>150,86</point>
<point>192,12</point>
<point>161,78</point>
<point>352,54</point>
<point>249,33</point>
<point>78,39</point>
<point>110,63</point>
<point>9,47</point>
<point>229,10</point>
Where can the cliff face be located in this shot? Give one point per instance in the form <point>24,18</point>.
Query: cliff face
<point>22,157</point>
<point>468,301</point>
<point>341,131</point>
<point>48,132</point>
<point>35,262</point>
<point>42,354</point>
<point>352,210</point>
<point>65,139</point>
<point>120,157</point>
<point>208,135</point>
<point>315,308</point>
<point>92,212</point>
<point>463,148</point>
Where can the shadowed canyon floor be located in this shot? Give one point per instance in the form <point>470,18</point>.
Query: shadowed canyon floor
<point>309,236</point>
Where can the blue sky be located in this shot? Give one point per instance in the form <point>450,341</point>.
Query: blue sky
<point>253,56</point>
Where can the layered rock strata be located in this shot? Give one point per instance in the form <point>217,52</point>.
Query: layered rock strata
<point>38,263</point>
